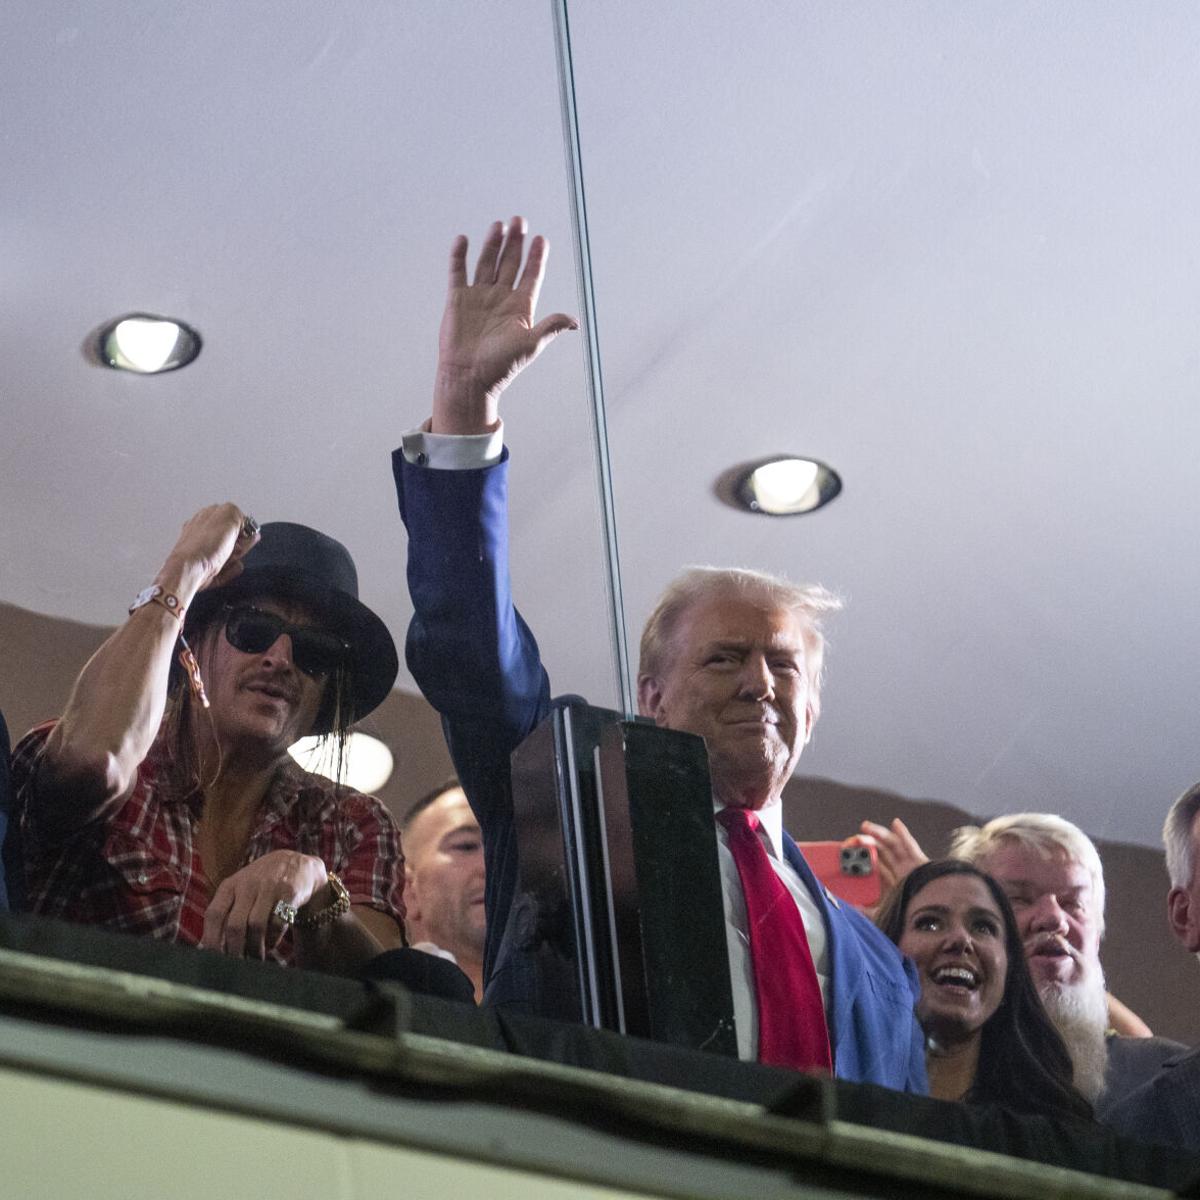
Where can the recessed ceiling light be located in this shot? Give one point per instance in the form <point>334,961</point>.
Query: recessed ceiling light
<point>147,345</point>
<point>366,766</point>
<point>782,486</point>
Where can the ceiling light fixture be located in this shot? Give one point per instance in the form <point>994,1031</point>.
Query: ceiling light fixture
<point>146,344</point>
<point>366,765</point>
<point>782,486</point>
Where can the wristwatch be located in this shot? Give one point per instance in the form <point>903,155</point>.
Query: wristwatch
<point>340,905</point>
<point>156,594</point>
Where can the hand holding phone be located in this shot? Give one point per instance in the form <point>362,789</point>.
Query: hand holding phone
<point>849,869</point>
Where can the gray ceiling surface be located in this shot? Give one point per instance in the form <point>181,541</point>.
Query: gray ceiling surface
<point>949,248</point>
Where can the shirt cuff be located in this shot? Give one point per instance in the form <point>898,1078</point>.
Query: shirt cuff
<point>453,451</point>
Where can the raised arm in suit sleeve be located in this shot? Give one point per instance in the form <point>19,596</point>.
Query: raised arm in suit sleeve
<point>470,652</point>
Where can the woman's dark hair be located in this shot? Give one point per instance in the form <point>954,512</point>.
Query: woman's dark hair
<point>1023,1061</point>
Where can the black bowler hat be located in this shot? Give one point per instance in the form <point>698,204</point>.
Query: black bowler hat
<point>294,562</point>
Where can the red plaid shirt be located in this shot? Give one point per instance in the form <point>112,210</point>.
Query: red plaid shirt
<point>139,871</point>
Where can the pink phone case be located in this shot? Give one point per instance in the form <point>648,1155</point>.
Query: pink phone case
<point>848,869</point>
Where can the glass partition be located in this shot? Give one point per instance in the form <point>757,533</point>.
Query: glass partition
<point>288,183</point>
<point>945,249</point>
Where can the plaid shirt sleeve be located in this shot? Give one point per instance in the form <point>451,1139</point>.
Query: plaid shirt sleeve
<point>26,758</point>
<point>372,865</point>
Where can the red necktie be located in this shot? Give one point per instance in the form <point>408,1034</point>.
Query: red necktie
<point>791,1017</point>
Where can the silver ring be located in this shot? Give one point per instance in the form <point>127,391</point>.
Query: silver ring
<point>249,526</point>
<point>285,912</point>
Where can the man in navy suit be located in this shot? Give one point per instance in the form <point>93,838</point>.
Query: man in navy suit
<point>734,656</point>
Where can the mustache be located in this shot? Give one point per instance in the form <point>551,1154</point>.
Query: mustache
<point>277,682</point>
<point>1050,943</point>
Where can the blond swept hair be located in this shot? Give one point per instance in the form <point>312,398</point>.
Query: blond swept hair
<point>694,585</point>
<point>1049,835</point>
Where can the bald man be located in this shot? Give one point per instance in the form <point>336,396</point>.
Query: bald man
<point>443,883</point>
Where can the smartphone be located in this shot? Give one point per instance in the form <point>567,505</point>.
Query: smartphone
<point>849,869</point>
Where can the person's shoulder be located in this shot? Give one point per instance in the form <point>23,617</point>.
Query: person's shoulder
<point>1132,1063</point>
<point>872,938</point>
<point>37,735</point>
<point>322,799</point>
<point>1151,1050</point>
<point>358,805</point>
<point>28,749</point>
<point>882,961</point>
<point>1166,1107</point>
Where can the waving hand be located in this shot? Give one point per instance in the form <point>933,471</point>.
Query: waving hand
<point>488,335</point>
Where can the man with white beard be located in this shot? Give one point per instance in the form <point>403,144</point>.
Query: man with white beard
<point>1051,872</point>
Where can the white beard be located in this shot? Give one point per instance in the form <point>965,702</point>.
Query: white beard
<point>1080,1014</point>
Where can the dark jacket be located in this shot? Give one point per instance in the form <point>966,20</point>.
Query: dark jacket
<point>477,663</point>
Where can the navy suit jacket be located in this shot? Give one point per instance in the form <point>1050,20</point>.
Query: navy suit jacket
<point>477,663</point>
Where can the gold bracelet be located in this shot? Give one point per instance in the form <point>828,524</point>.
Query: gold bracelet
<point>340,906</point>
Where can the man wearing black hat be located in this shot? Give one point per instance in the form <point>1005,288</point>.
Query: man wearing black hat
<point>164,801</point>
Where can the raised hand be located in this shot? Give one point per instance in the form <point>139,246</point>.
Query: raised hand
<point>899,852</point>
<point>113,715</point>
<point>488,335</point>
<point>210,548</point>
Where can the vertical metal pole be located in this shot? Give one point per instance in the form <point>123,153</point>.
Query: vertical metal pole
<point>591,344</point>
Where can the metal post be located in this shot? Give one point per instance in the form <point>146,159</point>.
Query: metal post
<point>591,349</point>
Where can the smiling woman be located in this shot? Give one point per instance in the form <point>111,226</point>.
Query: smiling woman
<point>988,1039</point>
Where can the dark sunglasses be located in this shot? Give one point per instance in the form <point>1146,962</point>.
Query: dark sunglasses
<point>316,652</point>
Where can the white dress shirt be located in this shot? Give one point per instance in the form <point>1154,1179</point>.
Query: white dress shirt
<point>461,452</point>
<point>453,451</point>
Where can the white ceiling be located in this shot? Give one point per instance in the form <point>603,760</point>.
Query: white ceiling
<point>949,248</point>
